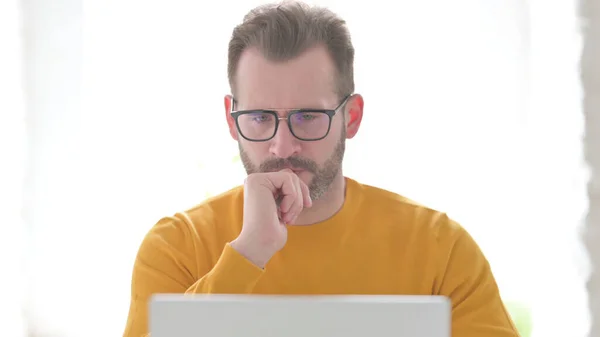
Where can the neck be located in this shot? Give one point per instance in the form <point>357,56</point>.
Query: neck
<point>326,206</point>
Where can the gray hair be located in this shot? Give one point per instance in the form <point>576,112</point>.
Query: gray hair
<point>283,31</point>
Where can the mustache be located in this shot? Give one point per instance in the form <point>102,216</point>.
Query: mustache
<point>277,164</point>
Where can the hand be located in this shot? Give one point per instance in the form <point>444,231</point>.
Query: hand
<point>271,201</point>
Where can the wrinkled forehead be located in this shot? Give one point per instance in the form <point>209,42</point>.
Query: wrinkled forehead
<point>305,81</point>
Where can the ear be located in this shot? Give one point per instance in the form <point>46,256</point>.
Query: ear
<point>354,114</point>
<point>230,121</point>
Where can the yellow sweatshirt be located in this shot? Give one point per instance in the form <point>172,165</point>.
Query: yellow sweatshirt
<point>378,243</point>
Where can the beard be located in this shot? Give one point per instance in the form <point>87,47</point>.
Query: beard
<point>323,176</point>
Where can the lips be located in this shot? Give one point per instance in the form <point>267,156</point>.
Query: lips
<point>295,170</point>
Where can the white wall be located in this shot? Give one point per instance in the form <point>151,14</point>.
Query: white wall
<point>105,112</point>
<point>12,155</point>
<point>590,15</point>
<point>55,182</point>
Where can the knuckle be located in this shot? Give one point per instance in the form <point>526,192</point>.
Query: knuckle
<point>289,178</point>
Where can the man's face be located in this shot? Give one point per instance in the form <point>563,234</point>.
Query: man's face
<point>304,82</point>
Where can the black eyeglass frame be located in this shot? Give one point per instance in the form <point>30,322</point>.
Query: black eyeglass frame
<point>291,112</point>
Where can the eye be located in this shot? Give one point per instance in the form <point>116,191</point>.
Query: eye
<point>260,117</point>
<point>304,117</point>
<point>307,116</point>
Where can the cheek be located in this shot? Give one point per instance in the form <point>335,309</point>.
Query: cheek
<point>321,150</point>
<point>255,151</point>
<point>337,125</point>
<point>335,133</point>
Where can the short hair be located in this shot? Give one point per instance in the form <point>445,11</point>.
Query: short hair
<point>283,31</point>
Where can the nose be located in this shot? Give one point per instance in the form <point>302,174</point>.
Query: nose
<point>284,144</point>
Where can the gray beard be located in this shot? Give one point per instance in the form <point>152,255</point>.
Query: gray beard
<point>323,176</point>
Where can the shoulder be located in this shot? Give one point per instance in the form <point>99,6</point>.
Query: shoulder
<point>455,255</point>
<point>224,208</point>
<point>401,211</point>
<point>207,225</point>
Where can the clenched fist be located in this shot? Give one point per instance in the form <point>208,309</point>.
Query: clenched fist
<point>272,200</point>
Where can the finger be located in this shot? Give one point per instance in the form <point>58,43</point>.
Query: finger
<point>298,205</point>
<point>287,190</point>
<point>307,201</point>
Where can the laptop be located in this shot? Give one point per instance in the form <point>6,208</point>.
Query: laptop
<point>178,315</point>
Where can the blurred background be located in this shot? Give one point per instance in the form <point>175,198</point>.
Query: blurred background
<point>112,117</point>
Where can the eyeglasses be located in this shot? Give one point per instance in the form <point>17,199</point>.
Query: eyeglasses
<point>305,124</point>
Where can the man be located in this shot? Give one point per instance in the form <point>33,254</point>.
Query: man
<point>297,225</point>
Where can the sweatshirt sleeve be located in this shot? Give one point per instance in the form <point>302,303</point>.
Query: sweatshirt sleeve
<point>174,259</point>
<point>465,277</point>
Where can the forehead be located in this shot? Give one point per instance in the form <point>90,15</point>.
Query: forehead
<point>305,81</point>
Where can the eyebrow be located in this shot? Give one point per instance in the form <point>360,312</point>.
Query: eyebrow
<point>236,104</point>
